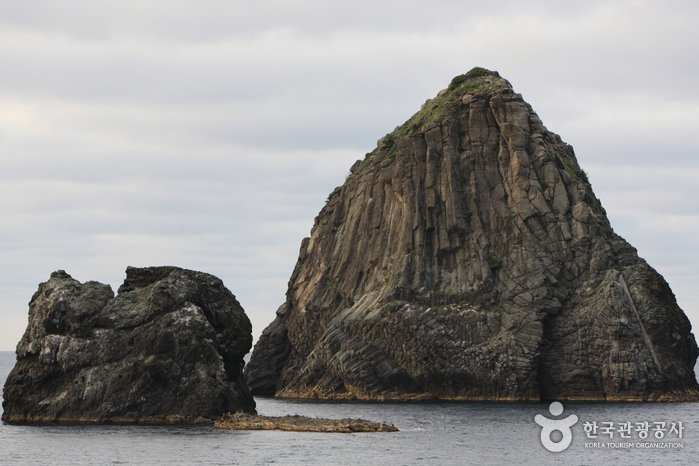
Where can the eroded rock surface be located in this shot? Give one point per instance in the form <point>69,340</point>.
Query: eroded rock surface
<point>167,349</point>
<point>296,423</point>
<point>468,258</point>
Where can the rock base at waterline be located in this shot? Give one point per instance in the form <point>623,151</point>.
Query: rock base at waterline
<point>296,423</point>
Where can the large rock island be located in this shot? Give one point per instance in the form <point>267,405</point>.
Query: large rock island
<point>167,349</point>
<point>468,258</point>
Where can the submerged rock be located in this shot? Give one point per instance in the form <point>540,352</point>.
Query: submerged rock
<point>296,423</point>
<point>468,258</point>
<point>167,349</point>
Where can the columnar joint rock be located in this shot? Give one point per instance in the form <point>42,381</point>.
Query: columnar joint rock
<point>167,349</point>
<point>468,258</point>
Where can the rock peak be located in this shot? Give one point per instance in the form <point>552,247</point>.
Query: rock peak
<point>467,257</point>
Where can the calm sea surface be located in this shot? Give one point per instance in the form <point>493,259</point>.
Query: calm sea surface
<point>430,434</point>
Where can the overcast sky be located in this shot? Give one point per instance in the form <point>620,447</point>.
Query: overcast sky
<point>208,134</point>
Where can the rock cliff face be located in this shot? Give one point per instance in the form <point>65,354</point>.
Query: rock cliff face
<point>167,349</point>
<point>467,258</point>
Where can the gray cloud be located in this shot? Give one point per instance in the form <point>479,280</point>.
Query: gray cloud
<point>208,134</point>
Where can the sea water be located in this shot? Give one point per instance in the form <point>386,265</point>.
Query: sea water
<point>430,434</point>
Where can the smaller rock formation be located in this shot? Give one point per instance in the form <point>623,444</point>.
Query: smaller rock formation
<point>167,349</point>
<point>242,421</point>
